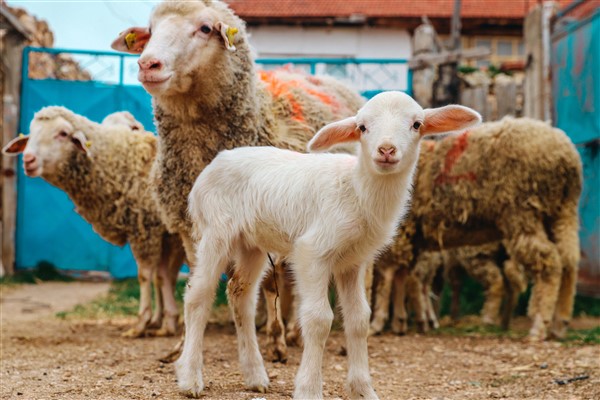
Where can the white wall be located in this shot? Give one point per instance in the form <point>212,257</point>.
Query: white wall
<point>340,42</point>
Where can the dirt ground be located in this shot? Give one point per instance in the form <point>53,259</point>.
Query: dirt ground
<point>43,357</point>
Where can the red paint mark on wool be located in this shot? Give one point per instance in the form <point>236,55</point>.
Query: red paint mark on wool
<point>459,146</point>
<point>281,89</point>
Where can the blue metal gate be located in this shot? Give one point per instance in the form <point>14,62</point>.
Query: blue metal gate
<point>47,227</point>
<point>576,95</point>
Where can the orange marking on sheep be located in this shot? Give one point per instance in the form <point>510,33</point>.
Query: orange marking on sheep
<point>279,88</point>
<point>459,146</point>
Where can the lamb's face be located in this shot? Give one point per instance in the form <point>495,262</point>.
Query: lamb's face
<point>50,142</point>
<point>389,131</point>
<point>181,43</point>
<point>389,127</point>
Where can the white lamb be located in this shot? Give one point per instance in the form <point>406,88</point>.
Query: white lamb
<point>329,214</point>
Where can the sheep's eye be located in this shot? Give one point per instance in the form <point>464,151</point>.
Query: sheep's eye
<point>362,128</point>
<point>62,134</point>
<point>205,29</point>
<point>416,125</point>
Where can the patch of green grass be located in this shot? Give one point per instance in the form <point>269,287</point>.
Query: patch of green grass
<point>123,300</point>
<point>477,330</point>
<point>582,336</point>
<point>43,271</point>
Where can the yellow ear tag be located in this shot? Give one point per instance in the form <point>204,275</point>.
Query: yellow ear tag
<point>230,34</point>
<point>88,144</point>
<point>130,39</point>
<point>21,135</point>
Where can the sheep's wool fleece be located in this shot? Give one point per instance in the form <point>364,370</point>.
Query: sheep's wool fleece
<point>111,187</point>
<point>510,173</point>
<point>233,105</point>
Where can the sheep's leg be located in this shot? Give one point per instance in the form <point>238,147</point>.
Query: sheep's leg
<point>276,345</point>
<point>488,273</point>
<point>242,292</point>
<point>427,294</point>
<point>567,243</point>
<point>400,319</point>
<point>350,284</point>
<point>145,272</point>
<point>455,275</point>
<point>539,255</point>
<point>169,270</point>
<point>157,315</point>
<point>293,336</point>
<point>199,297</point>
<point>382,299</point>
<point>316,316</point>
<point>415,292</point>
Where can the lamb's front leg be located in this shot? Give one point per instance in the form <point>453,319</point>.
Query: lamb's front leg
<point>355,308</point>
<point>242,292</point>
<point>315,317</point>
<point>198,300</point>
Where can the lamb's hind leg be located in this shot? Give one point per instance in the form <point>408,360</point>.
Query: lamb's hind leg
<point>355,308</point>
<point>173,256</point>
<point>242,291</point>
<point>276,345</point>
<point>211,263</point>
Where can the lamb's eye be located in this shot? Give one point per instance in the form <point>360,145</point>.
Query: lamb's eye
<point>416,125</point>
<point>62,134</point>
<point>362,128</point>
<point>205,29</point>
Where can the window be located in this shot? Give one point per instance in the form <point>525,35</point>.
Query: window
<point>487,43</point>
<point>504,48</point>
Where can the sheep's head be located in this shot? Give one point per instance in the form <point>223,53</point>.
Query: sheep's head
<point>389,127</point>
<point>182,42</point>
<point>123,118</point>
<point>51,141</point>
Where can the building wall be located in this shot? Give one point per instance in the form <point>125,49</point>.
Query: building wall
<point>341,43</point>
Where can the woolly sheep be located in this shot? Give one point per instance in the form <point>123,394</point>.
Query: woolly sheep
<point>208,96</point>
<point>123,118</point>
<point>515,180</point>
<point>328,214</point>
<point>104,169</point>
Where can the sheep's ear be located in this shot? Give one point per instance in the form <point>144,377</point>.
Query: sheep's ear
<point>81,142</point>
<point>448,119</point>
<point>228,34</point>
<point>16,146</point>
<point>343,131</point>
<point>132,40</point>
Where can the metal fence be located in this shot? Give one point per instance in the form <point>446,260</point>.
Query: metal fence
<point>47,228</point>
<point>576,101</point>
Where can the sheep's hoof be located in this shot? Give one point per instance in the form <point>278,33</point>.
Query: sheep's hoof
<point>375,329</point>
<point>155,323</point>
<point>559,331</point>
<point>133,333</point>
<point>171,357</point>
<point>434,324</point>
<point>277,353</point>
<point>294,338</point>
<point>422,327</point>
<point>399,327</point>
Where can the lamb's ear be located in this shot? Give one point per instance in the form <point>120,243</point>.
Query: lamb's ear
<point>132,40</point>
<point>343,131</point>
<point>448,119</point>
<point>16,146</point>
<point>228,34</point>
<point>81,142</point>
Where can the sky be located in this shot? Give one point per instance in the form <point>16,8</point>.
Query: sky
<point>88,24</point>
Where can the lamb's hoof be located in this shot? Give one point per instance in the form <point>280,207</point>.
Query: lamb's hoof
<point>361,391</point>
<point>190,383</point>
<point>259,389</point>
<point>171,357</point>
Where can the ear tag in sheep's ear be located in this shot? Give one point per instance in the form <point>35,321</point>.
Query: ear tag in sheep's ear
<point>88,144</point>
<point>130,39</point>
<point>228,34</point>
<point>21,135</point>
